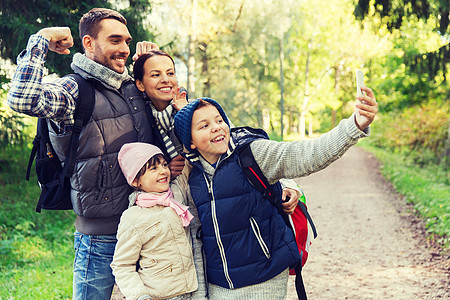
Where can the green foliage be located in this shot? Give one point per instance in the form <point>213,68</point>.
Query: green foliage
<point>20,19</point>
<point>35,249</point>
<point>13,127</point>
<point>419,131</point>
<point>395,13</point>
<point>427,187</point>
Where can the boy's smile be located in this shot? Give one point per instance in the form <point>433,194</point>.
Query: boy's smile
<point>210,134</point>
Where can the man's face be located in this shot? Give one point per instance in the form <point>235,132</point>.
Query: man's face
<point>209,133</point>
<point>110,48</point>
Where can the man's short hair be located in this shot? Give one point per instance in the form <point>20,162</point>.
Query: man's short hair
<point>89,22</point>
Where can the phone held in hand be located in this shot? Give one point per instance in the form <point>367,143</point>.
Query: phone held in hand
<point>359,83</point>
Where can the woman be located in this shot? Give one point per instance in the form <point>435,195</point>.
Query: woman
<point>155,75</point>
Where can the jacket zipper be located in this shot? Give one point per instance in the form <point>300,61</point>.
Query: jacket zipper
<point>261,242</point>
<point>152,226</point>
<point>217,233</point>
<point>168,267</point>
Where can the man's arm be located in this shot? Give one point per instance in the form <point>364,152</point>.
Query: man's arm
<point>29,95</point>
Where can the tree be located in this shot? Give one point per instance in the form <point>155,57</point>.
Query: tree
<point>22,18</point>
<point>396,12</point>
<point>430,67</point>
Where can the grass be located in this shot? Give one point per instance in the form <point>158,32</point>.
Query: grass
<point>36,250</point>
<point>426,187</point>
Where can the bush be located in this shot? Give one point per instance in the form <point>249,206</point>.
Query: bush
<point>419,132</point>
<point>14,128</point>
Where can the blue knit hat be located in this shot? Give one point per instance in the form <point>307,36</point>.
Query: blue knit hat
<point>183,120</point>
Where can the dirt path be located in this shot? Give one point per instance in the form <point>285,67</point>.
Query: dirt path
<point>367,247</point>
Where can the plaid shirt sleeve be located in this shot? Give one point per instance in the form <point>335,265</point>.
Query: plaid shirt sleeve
<point>29,95</point>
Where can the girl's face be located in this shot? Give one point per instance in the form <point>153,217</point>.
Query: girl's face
<point>159,81</point>
<point>155,179</point>
<point>209,133</point>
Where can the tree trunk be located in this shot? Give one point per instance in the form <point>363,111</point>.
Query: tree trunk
<point>446,156</point>
<point>191,54</point>
<point>259,112</point>
<point>281,54</point>
<point>302,124</point>
<point>205,70</point>
<point>304,109</point>
<point>337,76</point>
<point>191,68</point>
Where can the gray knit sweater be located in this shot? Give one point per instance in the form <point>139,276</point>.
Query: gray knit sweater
<point>300,158</point>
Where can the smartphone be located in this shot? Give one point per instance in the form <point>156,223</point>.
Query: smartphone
<point>359,82</point>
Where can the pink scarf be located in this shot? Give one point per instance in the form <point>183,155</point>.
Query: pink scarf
<point>165,199</point>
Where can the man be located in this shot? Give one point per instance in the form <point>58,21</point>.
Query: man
<point>99,190</point>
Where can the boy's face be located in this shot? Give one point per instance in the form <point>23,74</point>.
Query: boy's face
<point>110,48</point>
<point>209,132</point>
<point>159,81</point>
<point>155,179</point>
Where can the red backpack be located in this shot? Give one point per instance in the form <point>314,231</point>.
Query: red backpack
<point>297,222</point>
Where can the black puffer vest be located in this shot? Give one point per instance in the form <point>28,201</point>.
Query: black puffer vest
<point>99,189</point>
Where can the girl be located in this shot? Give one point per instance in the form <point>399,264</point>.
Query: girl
<point>153,256</point>
<point>247,246</point>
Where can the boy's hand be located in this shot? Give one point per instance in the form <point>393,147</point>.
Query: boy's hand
<point>60,39</point>
<point>291,204</point>
<point>367,108</point>
<point>144,47</point>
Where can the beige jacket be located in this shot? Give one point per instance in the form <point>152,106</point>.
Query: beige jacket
<point>156,238</point>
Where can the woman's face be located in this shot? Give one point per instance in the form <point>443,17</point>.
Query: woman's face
<point>159,81</point>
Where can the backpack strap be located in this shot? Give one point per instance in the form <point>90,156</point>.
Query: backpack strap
<point>41,125</point>
<point>83,112</point>
<point>308,217</point>
<point>254,173</point>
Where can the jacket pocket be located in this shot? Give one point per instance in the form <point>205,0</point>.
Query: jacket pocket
<point>259,238</point>
<point>154,226</point>
<point>165,269</point>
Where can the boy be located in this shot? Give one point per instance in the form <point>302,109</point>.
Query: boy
<point>248,248</point>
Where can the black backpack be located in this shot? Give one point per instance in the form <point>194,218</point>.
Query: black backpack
<point>54,179</point>
<point>297,222</point>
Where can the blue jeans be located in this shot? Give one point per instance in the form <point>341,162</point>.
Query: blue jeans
<point>92,274</point>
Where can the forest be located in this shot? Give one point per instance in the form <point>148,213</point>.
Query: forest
<point>285,66</point>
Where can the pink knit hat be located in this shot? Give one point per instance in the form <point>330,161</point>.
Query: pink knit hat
<point>133,156</point>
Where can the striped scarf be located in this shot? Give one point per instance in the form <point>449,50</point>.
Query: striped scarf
<point>164,121</point>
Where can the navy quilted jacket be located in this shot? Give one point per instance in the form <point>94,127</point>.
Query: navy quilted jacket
<point>244,237</point>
